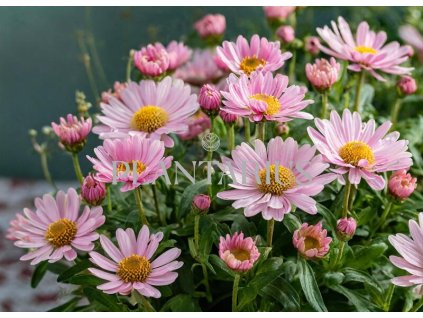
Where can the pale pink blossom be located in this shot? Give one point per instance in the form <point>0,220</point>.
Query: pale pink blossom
<point>312,44</point>
<point>197,124</point>
<point>178,54</point>
<point>211,25</point>
<point>117,89</point>
<point>323,74</point>
<point>311,241</point>
<point>407,85</point>
<point>16,228</point>
<point>237,252</point>
<point>152,60</point>
<point>72,132</point>
<point>201,203</point>
<point>209,98</point>
<point>286,33</point>
<point>92,191</point>
<point>278,12</point>
<point>413,37</point>
<point>401,184</point>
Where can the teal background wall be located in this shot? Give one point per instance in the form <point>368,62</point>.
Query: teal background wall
<point>41,65</point>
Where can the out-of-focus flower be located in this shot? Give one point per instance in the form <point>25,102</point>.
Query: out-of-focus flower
<point>345,228</point>
<point>245,58</point>
<point>201,203</point>
<point>118,159</point>
<point>211,25</point>
<point>367,52</point>
<point>202,69</point>
<point>209,98</point>
<point>278,13</point>
<point>197,124</point>
<point>72,132</point>
<point>413,37</point>
<point>283,129</point>
<point>227,117</point>
<point>286,33</point>
<point>148,109</point>
<point>298,177</point>
<point>407,85</point>
<point>401,184</point>
<point>412,255</point>
<point>131,266</point>
<point>360,149</point>
<point>312,44</point>
<point>410,50</point>
<point>323,74</point>
<point>264,97</point>
<point>117,90</point>
<point>56,229</point>
<point>93,191</point>
<point>16,229</point>
<point>237,252</point>
<point>178,54</point>
<point>152,60</point>
<point>311,241</point>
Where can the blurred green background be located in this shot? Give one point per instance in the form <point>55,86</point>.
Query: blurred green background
<point>41,63</point>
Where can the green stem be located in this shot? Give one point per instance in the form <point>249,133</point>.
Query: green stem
<point>346,202</point>
<point>206,282</point>
<point>324,103</point>
<point>384,215</point>
<point>235,293</point>
<point>261,130</point>
<point>353,192</point>
<point>77,167</point>
<point>360,83</point>
<point>417,306</point>
<point>247,130</point>
<point>197,233</point>
<point>129,65</point>
<point>340,253</point>
<point>231,137</point>
<point>109,199</point>
<point>210,156</point>
<point>138,199</point>
<point>388,298</point>
<point>292,64</point>
<point>270,228</point>
<point>395,111</point>
<point>146,304</point>
<point>46,171</point>
<point>161,217</point>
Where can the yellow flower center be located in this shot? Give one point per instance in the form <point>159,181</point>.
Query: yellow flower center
<point>241,254</point>
<point>121,168</point>
<point>310,243</point>
<point>286,180</point>
<point>273,105</point>
<point>354,151</point>
<point>149,118</point>
<point>250,63</point>
<point>134,268</point>
<point>365,49</point>
<point>61,232</point>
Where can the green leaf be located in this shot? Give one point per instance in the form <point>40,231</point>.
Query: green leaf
<point>223,272</point>
<point>67,306</point>
<point>182,303</point>
<point>356,298</point>
<point>280,290</point>
<point>365,256</point>
<point>79,267</point>
<point>309,286</point>
<point>107,301</point>
<point>86,280</point>
<point>39,272</point>
<point>291,222</point>
<point>188,195</point>
<point>354,275</point>
<point>328,215</point>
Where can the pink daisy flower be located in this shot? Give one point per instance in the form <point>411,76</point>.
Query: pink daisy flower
<point>367,51</point>
<point>56,229</point>
<point>245,58</point>
<point>152,60</point>
<point>311,241</point>
<point>118,159</point>
<point>360,149</point>
<point>131,266</point>
<point>72,132</point>
<point>413,37</point>
<point>148,109</point>
<point>178,54</point>
<point>16,228</point>
<point>260,187</point>
<point>197,124</point>
<point>263,96</point>
<point>237,252</point>
<point>412,255</point>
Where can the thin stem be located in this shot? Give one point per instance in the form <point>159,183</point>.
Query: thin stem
<point>109,199</point>
<point>325,104</point>
<point>138,199</point>
<point>360,83</point>
<point>210,156</point>
<point>340,253</point>
<point>395,111</point>
<point>346,202</point>
<point>96,58</point>
<point>231,137</point>
<point>206,282</point>
<point>46,171</point>
<point>353,193</point>
<point>247,130</point>
<point>197,233</point>
<point>270,228</point>
<point>129,65</point>
<point>146,304</point>
<point>261,130</point>
<point>292,64</point>
<point>77,167</point>
<point>417,306</point>
<point>385,214</point>
<point>161,217</point>
<point>235,293</point>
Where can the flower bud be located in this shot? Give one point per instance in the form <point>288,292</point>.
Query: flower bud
<point>323,74</point>
<point>209,98</point>
<point>407,85</point>
<point>152,60</point>
<point>93,191</point>
<point>311,241</point>
<point>211,25</point>
<point>201,203</point>
<point>401,184</point>
<point>227,117</point>
<point>283,129</point>
<point>278,12</point>
<point>238,252</point>
<point>286,33</point>
<point>72,132</point>
<point>345,228</point>
<point>312,45</point>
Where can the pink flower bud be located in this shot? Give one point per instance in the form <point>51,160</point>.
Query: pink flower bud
<point>237,252</point>
<point>197,124</point>
<point>227,117</point>
<point>178,54</point>
<point>211,25</point>
<point>407,85</point>
<point>72,132</point>
<point>201,202</point>
<point>93,191</point>
<point>345,228</point>
<point>401,184</point>
<point>117,90</point>
<point>312,44</point>
<point>286,33</point>
<point>209,98</point>
<point>322,74</point>
<point>152,60</point>
<point>283,129</point>
<point>311,241</point>
<point>278,13</point>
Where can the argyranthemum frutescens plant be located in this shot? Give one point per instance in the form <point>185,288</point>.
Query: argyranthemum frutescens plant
<point>235,198</point>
